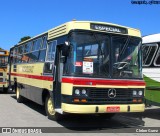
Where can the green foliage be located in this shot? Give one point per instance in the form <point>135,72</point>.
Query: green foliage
<point>24,38</point>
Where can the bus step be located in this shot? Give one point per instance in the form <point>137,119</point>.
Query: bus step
<point>59,111</point>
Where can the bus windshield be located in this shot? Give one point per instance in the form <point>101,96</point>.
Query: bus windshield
<point>3,61</point>
<point>103,56</point>
<point>126,57</point>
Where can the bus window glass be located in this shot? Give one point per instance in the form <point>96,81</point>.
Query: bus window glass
<point>25,58</point>
<point>89,55</point>
<point>149,51</point>
<point>51,51</point>
<point>19,59</point>
<point>44,43</point>
<point>42,55</point>
<point>39,44</point>
<point>34,45</point>
<point>79,51</point>
<point>91,50</point>
<point>19,54</point>
<point>14,55</point>
<point>48,67</point>
<point>20,49</point>
<point>3,60</point>
<point>125,53</point>
<point>15,51</point>
<point>33,56</point>
<point>27,47</point>
<point>157,59</point>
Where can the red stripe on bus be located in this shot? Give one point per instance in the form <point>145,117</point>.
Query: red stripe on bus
<point>33,76</point>
<point>79,81</point>
<point>3,82</point>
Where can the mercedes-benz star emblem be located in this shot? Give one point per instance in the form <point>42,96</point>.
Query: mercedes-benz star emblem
<point>112,93</point>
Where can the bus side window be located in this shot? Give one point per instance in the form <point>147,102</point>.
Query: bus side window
<point>42,53</point>
<point>51,51</point>
<point>33,56</point>
<point>149,53</point>
<point>19,54</point>
<point>157,59</point>
<point>48,67</point>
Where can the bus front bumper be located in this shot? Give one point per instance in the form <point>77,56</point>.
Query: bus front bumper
<point>91,109</point>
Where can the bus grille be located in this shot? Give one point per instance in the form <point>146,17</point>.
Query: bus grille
<point>101,95</point>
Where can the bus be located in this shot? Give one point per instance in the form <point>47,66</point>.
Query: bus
<point>80,67</point>
<point>3,70</point>
<point>151,68</point>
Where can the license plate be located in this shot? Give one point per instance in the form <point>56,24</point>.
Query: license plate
<point>113,109</point>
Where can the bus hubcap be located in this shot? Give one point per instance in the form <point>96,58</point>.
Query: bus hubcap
<point>50,107</point>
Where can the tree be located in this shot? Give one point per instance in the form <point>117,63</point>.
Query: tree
<point>24,38</point>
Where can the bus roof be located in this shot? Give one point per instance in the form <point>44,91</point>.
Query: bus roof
<point>151,38</point>
<point>84,25</point>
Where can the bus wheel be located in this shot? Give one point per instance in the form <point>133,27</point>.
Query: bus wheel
<point>50,111</point>
<point>18,96</point>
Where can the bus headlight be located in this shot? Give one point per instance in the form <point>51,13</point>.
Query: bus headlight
<point>77,92</point>
<point>140,93</point>
<point>84,92</point>
<point>134,93</point>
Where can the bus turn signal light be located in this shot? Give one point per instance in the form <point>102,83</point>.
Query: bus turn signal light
<point>83,100</point>
<point>76,100</point>
<point>134,100</point>
<point>139,100</point>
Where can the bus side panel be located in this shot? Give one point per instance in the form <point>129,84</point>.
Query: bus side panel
<point>31,81</point>
<point>31,93</point>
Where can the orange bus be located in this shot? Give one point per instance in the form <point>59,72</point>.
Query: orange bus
<point>80,67</point>
<point>3,70</point>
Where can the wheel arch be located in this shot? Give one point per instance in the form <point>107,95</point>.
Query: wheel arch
<point>45,93</point>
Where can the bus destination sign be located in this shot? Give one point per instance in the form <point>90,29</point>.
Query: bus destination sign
<point>108,28</point>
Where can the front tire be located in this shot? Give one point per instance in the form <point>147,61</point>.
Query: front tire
<point>50,111</point>
<point>19,98</point>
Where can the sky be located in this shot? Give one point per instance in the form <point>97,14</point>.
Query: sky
<point>19,18</point>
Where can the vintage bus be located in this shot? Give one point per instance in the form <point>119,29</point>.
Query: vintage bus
<point>3,70</point>
<point>151,68</point>
<point>80,67</point>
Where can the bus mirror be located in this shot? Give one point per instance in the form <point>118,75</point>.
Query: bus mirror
<point>65,49</point>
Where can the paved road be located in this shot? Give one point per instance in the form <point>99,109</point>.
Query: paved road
<point>29,114</point>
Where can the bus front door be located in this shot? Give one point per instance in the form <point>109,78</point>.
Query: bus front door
<point>57,79</point>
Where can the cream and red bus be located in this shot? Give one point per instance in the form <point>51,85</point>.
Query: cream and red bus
<point>80,67</point>
<point>3,70</point>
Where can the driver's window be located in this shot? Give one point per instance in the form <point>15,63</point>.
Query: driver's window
<point>49,64</point>
<point>51,51</point>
